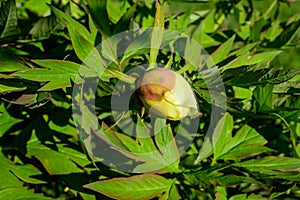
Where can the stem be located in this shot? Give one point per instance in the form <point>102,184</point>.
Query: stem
<point>292,134</point>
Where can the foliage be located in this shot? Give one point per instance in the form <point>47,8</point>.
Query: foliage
<point>252,150</point>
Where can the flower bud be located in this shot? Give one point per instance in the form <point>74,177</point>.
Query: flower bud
<point>165,93</point>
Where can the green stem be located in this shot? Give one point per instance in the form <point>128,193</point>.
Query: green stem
<point>292,134</point>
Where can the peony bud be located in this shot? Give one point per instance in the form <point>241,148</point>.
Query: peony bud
<point>165,93</point>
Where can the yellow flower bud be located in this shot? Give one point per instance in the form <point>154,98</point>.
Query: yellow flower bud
<point>165,93</point>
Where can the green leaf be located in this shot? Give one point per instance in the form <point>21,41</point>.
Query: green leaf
<point>33,100</point>
<point>237,62</point>
<point>205,151</point>
<point>8,86</point>
<point>44,27</point>
<point>221,179</point>
<point>274,167</point>
<point>121,76</point>
<point>143,137</point>
<point>222,51</point>
<point>244,77</point>
<point>63,161</point>
<point>146,186</point>
<point>8,19</point>
<point>123,142</point>
<point>161,156</point>
<point>21,192</point>
<point>7,121</point>
<point>231,180</point>
<point>166,143</point>
<point>262,57</point>
<point>256,29</point>
<point>86,51</point>
<point>289,33</point>
<point>191,54</point>
<point>244,48</point>
<point>246,142</point>
<point>123,23</point>
<point>68,20</point>
<point>212,97</point>
<point>157,35</point>
<point>247,59</point>
<point>116,10</point>
<point>83,43</point>
<point>184,6</point>
<point>239,197</point>
<point>263,100</point>
<point>11,173</point>
<point>282,164</point>
<point>172,193</point>
<point>223,128</point>
<point>9,63</point>
<point>164,158</point>
<point>57,74</point>
<point>40,7</point>
<point>139,44</point>
<point>99,14</point>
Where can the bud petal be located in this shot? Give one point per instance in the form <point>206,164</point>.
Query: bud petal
<point>165,93</point>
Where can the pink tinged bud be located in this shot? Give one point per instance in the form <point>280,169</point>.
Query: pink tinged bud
<point>166,94</point>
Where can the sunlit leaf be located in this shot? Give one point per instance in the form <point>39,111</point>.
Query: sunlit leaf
<point>222,51</point>
<point>11,173</point>
<point>57,74</point>
<point>137,187</point>
<point>9,63</point>
<point>7,121</point>
<point>246,142</point>
<point>68,20</point>
<point>15,193</point>
<point>10,86</point>
<point>288,34</point>
<point>157,35</point>
<point>64,161</point>
<point>281,167</point>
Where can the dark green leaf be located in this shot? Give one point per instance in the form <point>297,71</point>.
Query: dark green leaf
<point>263,98</point>
<point>258,77</point>
<point>99,14</point>
<point>256,30</point>
<point>45,27</point>
<point>123,23</point>
<point>8,19</point>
